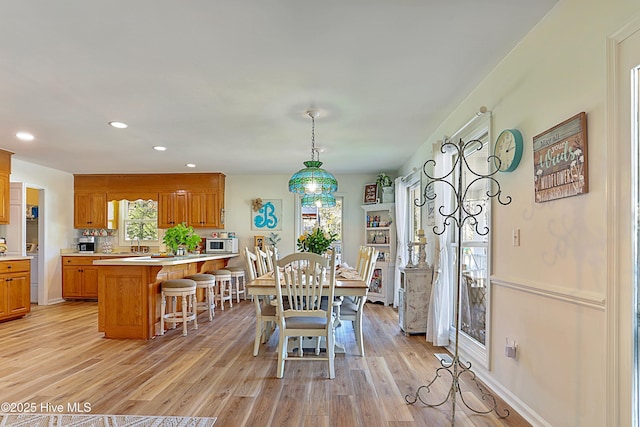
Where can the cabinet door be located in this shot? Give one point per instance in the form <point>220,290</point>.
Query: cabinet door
<point>172,209</point>
<point>90,282</point>
<point>4,297</point>
<point>18,292</point>
<point>71,281</point>
<point>205,210</point>
<point>4,198</point>
<point>90,210</point>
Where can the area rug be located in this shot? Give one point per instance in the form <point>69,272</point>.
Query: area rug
<point>95,420</point>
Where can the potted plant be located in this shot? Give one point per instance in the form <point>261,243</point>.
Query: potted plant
<point>386,184</point>
<point>181,237</point>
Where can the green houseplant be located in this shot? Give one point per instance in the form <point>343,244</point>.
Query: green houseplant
<point>181,236</point>
<point>316,241</point>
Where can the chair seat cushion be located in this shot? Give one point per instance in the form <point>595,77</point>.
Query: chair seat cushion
<point>178,283</point>
<point>235,268</point>
<point>220,274</point>
<point>301,322</point>
<point>348,307</point>
<point>201,277</point>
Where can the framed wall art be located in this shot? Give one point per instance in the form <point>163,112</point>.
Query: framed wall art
<point>560,160</point>
<point>258,241</point>
<point>268,216</point>
<point>370,193</point>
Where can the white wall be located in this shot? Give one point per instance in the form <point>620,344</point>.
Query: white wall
<point>240,190</point>
<point>549,294</point>
<point>56,216</point>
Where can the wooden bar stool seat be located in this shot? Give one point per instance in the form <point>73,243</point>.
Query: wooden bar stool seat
<point>186,289</point>
<point>237,282</point>
<point>223,287</point>
<point>207,282</point>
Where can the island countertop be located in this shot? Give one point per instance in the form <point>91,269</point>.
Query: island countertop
<point>129,290</point>
<point>151,260</point>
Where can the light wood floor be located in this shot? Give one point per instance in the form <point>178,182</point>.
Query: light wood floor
<point>56,356</point>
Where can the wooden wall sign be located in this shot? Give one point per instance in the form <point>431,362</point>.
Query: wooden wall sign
<point>370,193</point>
<point>560,160</point>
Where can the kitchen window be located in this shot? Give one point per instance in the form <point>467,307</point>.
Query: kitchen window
<point>139,222</point>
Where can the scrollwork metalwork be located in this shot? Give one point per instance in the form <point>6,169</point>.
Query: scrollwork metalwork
<point>462,212</point>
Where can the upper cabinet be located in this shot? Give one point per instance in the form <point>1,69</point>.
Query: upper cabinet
<point>205,210</point>
<point>90,210</point>
<point>197,198</point>
<point>172,209</point>
<point>5,171</point>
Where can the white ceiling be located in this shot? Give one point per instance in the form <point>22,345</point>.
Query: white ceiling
<point>225,84</point>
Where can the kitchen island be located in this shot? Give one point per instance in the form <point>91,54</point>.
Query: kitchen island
<point>129,290</point>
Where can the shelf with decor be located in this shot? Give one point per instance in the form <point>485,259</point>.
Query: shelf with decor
<point>379,232</point>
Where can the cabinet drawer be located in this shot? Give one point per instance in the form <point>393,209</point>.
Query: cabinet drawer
<point>16,265</point>
<point>78,260</point>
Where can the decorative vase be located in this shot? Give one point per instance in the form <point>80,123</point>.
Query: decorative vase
<point>387,195</point>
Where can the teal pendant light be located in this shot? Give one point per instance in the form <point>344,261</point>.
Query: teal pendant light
<point>313,179</point>
<point>323,200</point>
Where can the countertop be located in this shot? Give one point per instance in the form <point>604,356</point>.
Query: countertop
<point>101,254</point>
<point>148,260</point>
<point>14,257</point>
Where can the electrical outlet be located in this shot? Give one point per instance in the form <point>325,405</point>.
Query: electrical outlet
<point>510,349</point>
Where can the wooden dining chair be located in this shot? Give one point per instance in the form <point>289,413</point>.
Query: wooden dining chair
<point>352,309</point>
<point>266,318</point>
<point>306,277</point>
<point>261,263</point>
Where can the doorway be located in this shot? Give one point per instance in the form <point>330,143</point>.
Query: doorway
<point>624,211</point>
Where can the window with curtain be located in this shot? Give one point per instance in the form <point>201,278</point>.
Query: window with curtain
<point>474,279</point>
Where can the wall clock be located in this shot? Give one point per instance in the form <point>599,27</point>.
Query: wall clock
<point>508,150</point>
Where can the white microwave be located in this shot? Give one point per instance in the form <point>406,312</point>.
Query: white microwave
<point>221,245</point>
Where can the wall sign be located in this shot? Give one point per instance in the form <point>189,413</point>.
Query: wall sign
<point>268,216</point>
<point>560,160</point>
<point>370,193</point>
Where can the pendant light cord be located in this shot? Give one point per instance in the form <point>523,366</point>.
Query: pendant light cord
<point>313,137</point>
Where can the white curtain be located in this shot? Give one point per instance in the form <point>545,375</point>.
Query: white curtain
<point>401,236</point>
<point>439,304</point>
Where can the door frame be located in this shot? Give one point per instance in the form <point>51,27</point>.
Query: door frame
<point>621,399</point>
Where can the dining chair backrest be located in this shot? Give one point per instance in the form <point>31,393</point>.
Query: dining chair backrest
<point>262,261</point>
<point>270,251</point>
<point>370,265</point>
<point>304,278</point>
<point>363,257</point>
<point>251,260</point>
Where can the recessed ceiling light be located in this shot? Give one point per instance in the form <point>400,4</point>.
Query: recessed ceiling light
<point>160,148</point>
<point>25,136</point>
<point>119,125</point>
<point>190,165</point>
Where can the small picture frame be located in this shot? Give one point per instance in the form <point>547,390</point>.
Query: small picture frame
<point>370,193</point>
<point>258,241</point>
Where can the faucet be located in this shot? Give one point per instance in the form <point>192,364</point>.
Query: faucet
<point>137,239</point>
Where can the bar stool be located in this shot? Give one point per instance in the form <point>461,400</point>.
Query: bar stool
<point>208,283</point>
<point>223,287</point>
<point>237,282</point>
<point>186,289</point>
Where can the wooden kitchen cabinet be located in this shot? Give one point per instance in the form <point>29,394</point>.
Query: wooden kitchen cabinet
<point>79,277</point>
<point>90,210</point>
<point>172,209</point>
<point>205,210</point>
<point>5,171</point>
<point>15,282</point>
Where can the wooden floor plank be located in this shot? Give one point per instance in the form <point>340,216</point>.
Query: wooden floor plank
<point>56,355</point>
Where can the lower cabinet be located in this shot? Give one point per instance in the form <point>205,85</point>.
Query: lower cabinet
<point>15,283</point>
<point>79,277</point>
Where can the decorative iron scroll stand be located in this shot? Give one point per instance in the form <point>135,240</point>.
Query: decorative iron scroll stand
<point>458,216</point>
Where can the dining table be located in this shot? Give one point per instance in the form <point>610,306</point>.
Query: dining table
<point>347,284</point>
